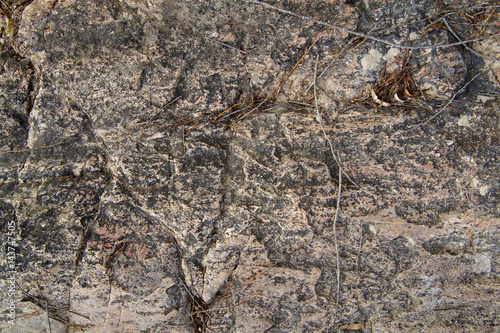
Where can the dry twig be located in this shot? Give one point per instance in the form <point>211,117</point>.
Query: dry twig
<point>52,311</point>
<point>338,159</point>
<point>376,39</point>
<point>199,315</point>
<point>465,45</point>
<point>453,97</point>
<point>310,47</point>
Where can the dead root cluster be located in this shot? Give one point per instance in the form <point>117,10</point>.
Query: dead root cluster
<point>397,88</point>
<point>52,310</point>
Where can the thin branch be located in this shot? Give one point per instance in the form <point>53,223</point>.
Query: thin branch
<point>253,110</point>
<point>453,97</point>
<point>194,299</point>
<point>319,117</point>
<point>226,45</point>
<point>323,128</point>
<point>327,67</point>
<point>339,190</point>
<point>376,39</point>
<point>336,242</point>
<point>163,108</point>
<point>310,47</point>
<point>229,108</point>
<point>465,45</point>
<point>48,316</point>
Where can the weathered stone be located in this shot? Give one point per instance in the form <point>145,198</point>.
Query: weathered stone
<point>163,167</point>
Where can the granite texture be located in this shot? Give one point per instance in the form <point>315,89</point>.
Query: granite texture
<point>165,168</point>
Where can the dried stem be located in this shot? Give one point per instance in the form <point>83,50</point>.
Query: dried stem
<point>453,97</point>
<point>376,39</point>
<point>339,190</point>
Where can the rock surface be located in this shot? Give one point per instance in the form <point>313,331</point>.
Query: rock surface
<point>165,168</point>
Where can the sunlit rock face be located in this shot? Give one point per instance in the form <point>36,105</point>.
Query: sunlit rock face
<point>163,166</point>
